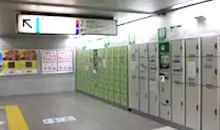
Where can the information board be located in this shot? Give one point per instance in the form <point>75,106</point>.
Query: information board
<point>41,24</point>
<point>65,60</point>
<point>49,61</point>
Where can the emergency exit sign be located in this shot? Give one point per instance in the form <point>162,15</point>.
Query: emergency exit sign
<point>41,24</point>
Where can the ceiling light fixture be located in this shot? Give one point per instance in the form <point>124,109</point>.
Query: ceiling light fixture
<point>184,4</point>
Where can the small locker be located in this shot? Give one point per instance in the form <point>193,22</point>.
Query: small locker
<point>143,79</point>
<point>153,79</point>
<point>178,82</point>
<point>209,83</point>
<point>165,80</point>
<point>134,77</point>
<point>193,85</point>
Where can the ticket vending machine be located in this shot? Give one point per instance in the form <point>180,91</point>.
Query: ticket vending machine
<point>153,79</point>
<point>178,81</point>
<point>165,80</point>
<point>143,78</point>
<point>193,82</point>
<point>134,77</point>
<point>210,80</point>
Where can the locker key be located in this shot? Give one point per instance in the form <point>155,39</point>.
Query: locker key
<point>216,112</point>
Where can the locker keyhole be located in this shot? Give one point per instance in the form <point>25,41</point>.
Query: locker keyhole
<point>181,104</point>
<point>197,70</point>
<point>181,48</point>
<point>167,102</point>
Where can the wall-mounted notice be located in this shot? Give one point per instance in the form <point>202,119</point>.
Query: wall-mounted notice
<point>65,61</point>
<point>28,61</point>
<point>10,63</point>
<point>49,61</point>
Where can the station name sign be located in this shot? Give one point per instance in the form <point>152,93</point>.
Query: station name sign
<point>42,24</point>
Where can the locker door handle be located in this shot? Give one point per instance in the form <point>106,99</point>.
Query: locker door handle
<point>145,95</point>
<point>210,86</point>
<point>181,104</point>
<point>216,112</point>
<point>197,107</point>
<point>177,82</point>
<point>209,55</point>
<point>192,55</point>
<point>216,46</point>
<point>216,71</point>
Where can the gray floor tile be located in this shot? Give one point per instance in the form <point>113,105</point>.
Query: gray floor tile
<point>90,114</point>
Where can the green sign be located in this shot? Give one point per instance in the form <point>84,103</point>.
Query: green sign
<point>84,47</point>
<point>132,39</point>
<point>162,34</point>
<point>106,42</point>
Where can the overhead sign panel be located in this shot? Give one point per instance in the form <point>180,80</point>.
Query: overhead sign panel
<point>40,24</point>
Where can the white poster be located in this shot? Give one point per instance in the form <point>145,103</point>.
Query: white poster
<point>65,61</point>
<point>191,69</point>
<point>49,61</point>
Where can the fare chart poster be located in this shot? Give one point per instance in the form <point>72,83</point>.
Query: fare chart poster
<point>57,61</point>
<point>49,61</point>
<point>65,61</point>
<point>18,61</point>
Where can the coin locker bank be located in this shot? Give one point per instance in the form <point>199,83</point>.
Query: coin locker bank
<point>175,80</point>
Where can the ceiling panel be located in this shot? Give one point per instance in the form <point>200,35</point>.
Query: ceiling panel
<point>144,6</point>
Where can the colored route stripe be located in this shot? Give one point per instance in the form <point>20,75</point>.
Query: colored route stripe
<point>37,25</point>
<point>15,118</point>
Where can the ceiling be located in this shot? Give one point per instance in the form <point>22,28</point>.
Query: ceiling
<point>110,8</point>
<point>122,10</point>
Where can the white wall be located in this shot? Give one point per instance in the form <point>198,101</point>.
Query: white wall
<point>37,83</point>
<point>146,29</point>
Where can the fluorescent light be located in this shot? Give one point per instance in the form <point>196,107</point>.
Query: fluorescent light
<point>184,4</point>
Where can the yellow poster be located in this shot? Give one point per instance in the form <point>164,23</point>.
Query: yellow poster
<point>28,61</point>
<point>10,63</point>
<point>16,61</point>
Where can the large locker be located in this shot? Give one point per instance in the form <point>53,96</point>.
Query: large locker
<point>165,80</point>
<point>193,75</point>
<point>209,83</point>
<point>134,77</point>
<point>153,79</point>
<point>178,82</point>
<point>143,79</point>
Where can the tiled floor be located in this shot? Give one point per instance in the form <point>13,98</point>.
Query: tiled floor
<point>90,114</point>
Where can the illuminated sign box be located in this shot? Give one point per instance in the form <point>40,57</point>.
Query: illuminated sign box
<point>40,24</point>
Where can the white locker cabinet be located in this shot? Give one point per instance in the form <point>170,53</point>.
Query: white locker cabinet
<point>153,79</point>
<point>143,79</point>
<point>165,87</point>
<point>209,83</point>
<point>134,77</point>
<point>192,83</point>
<point>178,82</point>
